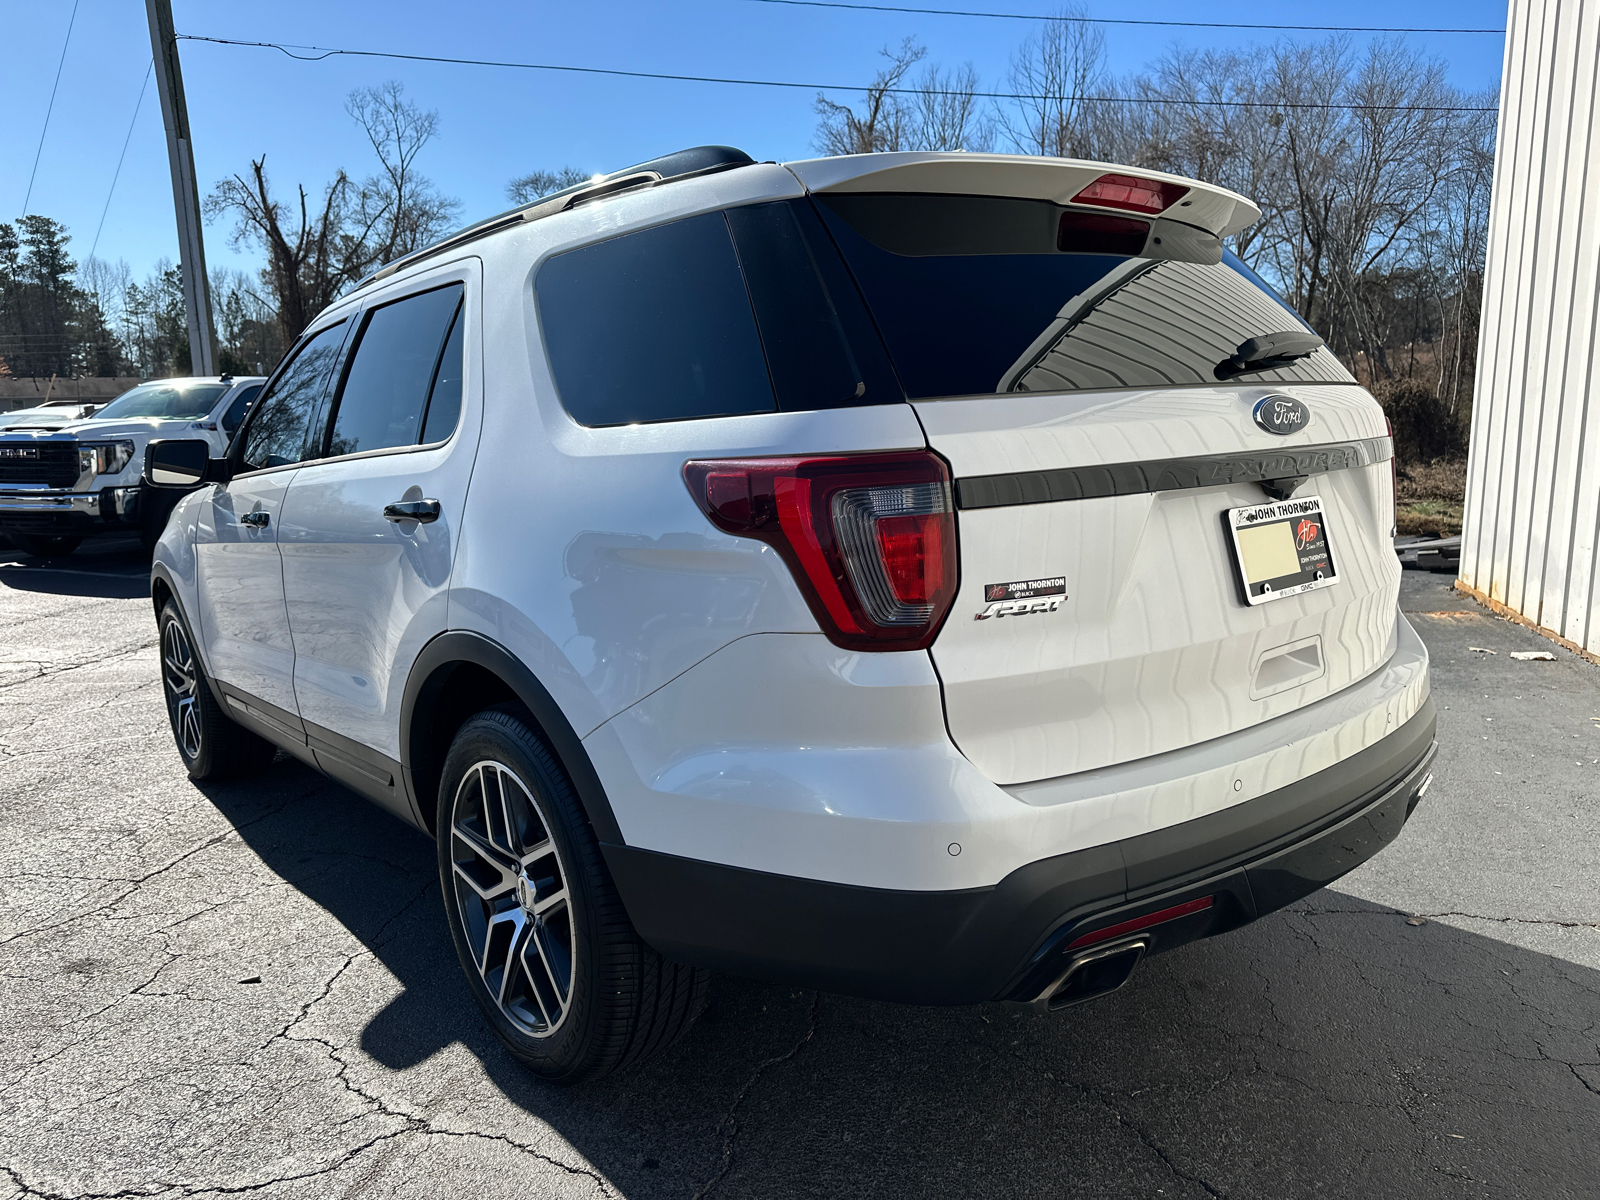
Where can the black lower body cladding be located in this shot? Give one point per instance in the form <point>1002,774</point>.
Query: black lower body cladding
<point>1009,942</point>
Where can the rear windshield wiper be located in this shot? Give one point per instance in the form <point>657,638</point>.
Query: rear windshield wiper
<point>1269,350</point>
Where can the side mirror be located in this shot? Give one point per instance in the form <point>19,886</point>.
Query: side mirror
<point>181,463</point>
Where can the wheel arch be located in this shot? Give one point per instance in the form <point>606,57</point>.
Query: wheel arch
<point>459,674</point>
<point>163,587</point>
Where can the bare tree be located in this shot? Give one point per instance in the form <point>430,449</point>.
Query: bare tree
<point>939,110</point>
<point>249,341</point>
<point>883,121</point>
<point>1450,248</point>
<point>1365,169</point>
<point>1056,74</point>
<point>945,113</point>
<point>305,268</point>
<point>396,210</point>
<point>316,251</point>
<point>525,189</point>
<point>1207,115</point>
<point>106,284</point>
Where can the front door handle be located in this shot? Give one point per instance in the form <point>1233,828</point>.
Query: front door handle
<point>421,511</point>
<point>256,520</point>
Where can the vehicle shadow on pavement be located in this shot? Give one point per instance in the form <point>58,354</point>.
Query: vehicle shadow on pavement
<point>111,569</point>
<point>1333,1048</point>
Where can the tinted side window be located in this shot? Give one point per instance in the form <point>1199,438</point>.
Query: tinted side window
<point>444,404</point>
<point>653,326</point>
<point>237,408</point>
<point>276,434</point>
<point>396,358</point>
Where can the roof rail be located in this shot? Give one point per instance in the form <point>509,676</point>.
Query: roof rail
<point>698,160</point>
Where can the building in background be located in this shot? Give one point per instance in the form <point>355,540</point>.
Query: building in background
<point>1532,521</point>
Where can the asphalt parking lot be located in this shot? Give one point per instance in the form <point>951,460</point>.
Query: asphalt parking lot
<point>250,989</point>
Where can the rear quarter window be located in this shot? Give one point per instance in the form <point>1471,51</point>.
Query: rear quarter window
<point>744,311</point>
<point>653,326</point>
<point>822,351</point>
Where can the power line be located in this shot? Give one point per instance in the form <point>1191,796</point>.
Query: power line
<point>319,53</point>
<point>115,174</point>
<point>50,108</point>
<point>1005,16</point>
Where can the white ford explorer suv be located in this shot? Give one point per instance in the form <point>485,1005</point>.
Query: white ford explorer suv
<point>64,478</point>
<point>934,577</point>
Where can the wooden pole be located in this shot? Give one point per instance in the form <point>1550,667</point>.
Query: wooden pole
<point>185,194</point>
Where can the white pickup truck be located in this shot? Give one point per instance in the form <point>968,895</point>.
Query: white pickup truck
<point>63,482</point>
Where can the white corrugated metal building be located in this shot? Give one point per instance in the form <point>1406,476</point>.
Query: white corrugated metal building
<point>1532,521</point>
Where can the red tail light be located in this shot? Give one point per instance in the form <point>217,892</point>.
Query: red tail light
<point>870,538</point>
<point>1131,193</point>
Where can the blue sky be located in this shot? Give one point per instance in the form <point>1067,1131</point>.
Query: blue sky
<point>496,124</point>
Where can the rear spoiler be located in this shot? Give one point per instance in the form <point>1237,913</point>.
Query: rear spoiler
<point>1215,210</point>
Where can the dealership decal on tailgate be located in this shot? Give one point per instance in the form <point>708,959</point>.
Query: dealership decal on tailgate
<point>1023,597</point>
<point>1282,549</point>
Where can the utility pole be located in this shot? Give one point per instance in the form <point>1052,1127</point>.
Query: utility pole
<point>185,195</point>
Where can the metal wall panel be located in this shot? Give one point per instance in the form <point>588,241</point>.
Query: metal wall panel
<point>1532,523</point>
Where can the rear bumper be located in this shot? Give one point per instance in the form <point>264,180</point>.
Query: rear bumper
<point>785,755</point>
<point>1010,941</point>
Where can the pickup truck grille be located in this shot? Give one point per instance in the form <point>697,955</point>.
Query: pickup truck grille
<point>53,466</point>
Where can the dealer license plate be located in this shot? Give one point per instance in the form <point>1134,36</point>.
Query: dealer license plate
<point>1281,549</point>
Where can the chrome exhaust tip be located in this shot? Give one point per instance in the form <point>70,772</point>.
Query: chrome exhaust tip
<point>1094,973</point>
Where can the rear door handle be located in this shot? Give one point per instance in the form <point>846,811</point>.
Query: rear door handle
<point>257,520</point>
<point>421,511</point>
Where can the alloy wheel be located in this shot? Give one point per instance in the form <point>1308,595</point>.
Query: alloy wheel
<point>181,677</point>
<point>512,897</point>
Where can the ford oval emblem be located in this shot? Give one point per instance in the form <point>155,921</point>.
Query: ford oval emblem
<point>1281,414</point>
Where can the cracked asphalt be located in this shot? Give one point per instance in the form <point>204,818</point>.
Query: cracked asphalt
<point>250,989</point>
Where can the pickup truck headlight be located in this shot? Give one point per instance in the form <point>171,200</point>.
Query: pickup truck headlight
<point>104,458</point>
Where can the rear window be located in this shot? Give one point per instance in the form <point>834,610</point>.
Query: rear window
<point>977,295</point>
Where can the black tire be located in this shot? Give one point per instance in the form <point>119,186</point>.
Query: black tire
<point>212,745</point>
<point>42,546</point>
<point>531,882</point>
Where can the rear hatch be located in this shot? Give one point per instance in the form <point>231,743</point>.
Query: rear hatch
<point>1119,402</point>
